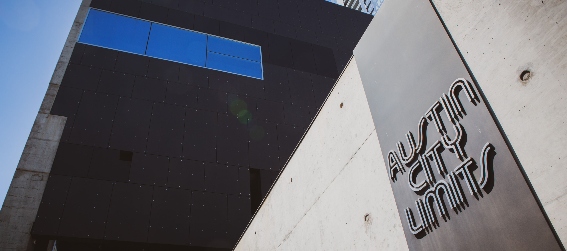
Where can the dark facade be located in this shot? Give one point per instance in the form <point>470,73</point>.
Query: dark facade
<point>158,155</point>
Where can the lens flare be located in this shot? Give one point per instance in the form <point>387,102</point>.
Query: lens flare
<point>244,116</point>
<point>257,133</point>
<point>237,105</point>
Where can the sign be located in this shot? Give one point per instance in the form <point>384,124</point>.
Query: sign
<point>437,193</point>
<point>456,183</point>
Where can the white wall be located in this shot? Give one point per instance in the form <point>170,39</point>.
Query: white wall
<point>338,171</point>
<point>338,177</point>
<point>500,39</point>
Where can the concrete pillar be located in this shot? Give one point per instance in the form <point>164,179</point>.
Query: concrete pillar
<point>26,190</point>
<point>498,41</point>
<point>334,193</point>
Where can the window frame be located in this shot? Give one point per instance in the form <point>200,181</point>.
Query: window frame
<point>149,34</point>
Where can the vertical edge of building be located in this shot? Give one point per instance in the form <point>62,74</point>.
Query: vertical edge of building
<point>26,189</point>
<point>30,196</point>
<point>499,41</point>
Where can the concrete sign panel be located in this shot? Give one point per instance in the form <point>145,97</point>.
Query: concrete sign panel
<point>456,183</point>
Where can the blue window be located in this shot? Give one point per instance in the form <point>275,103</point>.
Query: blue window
<point>115,32</point>
<point>152,39</point>
<point>234,65</point>
<point>234,48</point>
<point>178,45</point>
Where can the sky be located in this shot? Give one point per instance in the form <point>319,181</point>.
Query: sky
<point>33,33</point>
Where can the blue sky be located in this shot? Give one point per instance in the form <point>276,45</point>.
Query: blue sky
<point>31,40</point>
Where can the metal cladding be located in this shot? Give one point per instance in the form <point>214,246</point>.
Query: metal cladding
<point>464,189</point>
<point>165,155</point>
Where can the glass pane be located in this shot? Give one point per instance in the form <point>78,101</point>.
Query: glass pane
<point>177,45</point>
<point>234,65</point>
<point>115,32</point>
<point>234,48</point>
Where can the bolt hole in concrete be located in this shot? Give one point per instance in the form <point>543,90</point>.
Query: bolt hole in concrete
<point>341,105</point>
<point>291,179</point>
<point>525,75</point>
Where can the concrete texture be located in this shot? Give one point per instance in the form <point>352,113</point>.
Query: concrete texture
<point>355,212</point>
<point>26,190</point>
<point>406,62</point>
<point>334,179</point>
<point>63,61</point>
<point>324,207</point>
<point>499,40</point>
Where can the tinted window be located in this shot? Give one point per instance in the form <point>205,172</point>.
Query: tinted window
<point>234,48</point>
<point>234,65</point>
<point>177,45</point>
<point>152,39</point>
<point>115,32</point>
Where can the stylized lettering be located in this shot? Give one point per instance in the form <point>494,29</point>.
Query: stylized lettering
<point>455,88</point>
<point>454,144</point>
<point>456,189</point>
<point>414,228</point>
<point>433,115</point>
<point>422,213</point>
<point>484,164</point>
<point>435,194</point>
<point>414,149</point>
<point>448,108</point>
<point>407,158</point>
<point>463,169</point>
<point>418,159</point>
<point>394,165</point>
<point>422,164</point>
<point>421,135</point>
<point>434,153</point>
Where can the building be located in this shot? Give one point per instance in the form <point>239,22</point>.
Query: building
<point>146,143</point>
<point>366,6</point>
<point>353,4</point>
<point>445,131</point>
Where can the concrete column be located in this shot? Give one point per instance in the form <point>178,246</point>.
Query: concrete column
<point>340,198</point>
<point>498,41</point>
<point>26,190</point>
<point>334,193</point>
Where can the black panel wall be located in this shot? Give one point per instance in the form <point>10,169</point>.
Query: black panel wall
<point>157,155</point>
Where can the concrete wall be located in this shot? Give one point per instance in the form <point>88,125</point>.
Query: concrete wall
<point>335,178</point>
<point>24,195</point>
<point>338,171</point>
<point>499,40</point>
